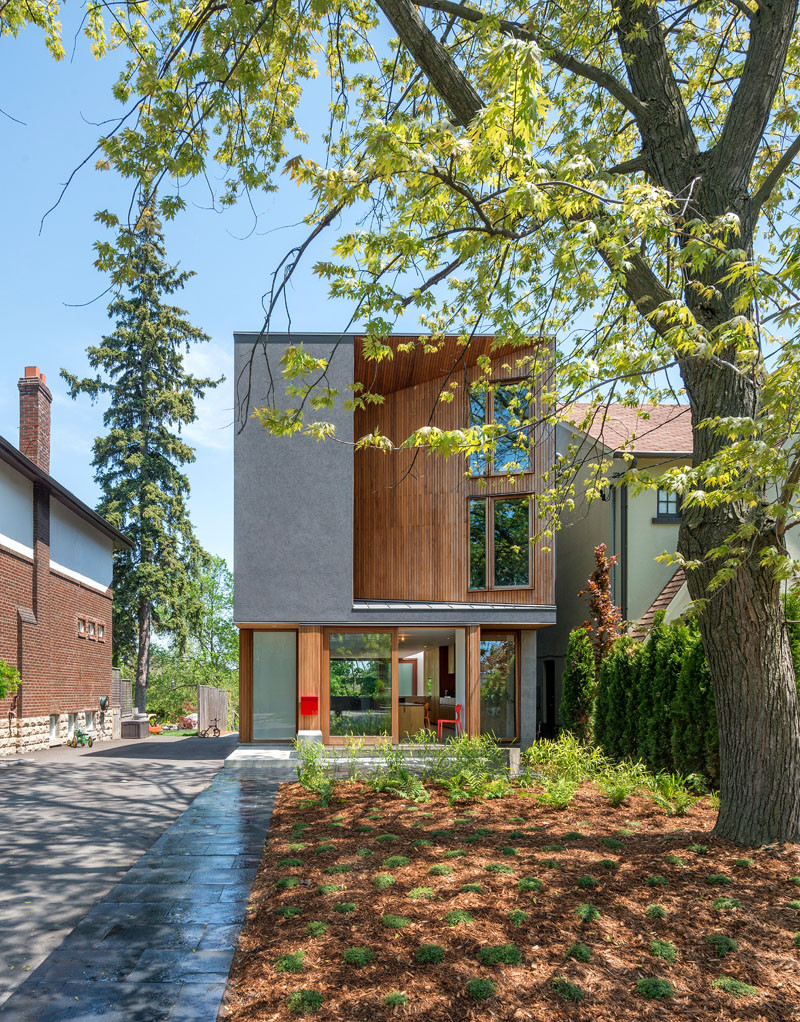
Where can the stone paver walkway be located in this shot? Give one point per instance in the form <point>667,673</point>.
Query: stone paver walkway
<point>159,945</point>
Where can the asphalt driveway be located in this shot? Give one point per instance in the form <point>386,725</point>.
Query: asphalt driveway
<point>74,820</point>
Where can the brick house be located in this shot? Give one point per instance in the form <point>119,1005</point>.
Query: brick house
<point>56,558</point>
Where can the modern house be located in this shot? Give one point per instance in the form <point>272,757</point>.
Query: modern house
<point>379,590</point>
<point>637,527</point>
<point>55,601</point>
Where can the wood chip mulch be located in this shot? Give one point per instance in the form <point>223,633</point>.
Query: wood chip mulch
<point>361,829</point>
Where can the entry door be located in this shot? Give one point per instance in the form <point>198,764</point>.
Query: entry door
<point>274,686</point>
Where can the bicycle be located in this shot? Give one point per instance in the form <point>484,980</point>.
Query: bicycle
<point>214,729</point>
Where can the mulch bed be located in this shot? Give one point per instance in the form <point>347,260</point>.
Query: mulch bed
<point>619,941</point>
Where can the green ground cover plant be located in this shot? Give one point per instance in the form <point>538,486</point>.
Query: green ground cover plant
<point>587,913</point>
<point>722,944</point>
<point>580,952</point>
<point>517,917</point>
<point>567,991</point>
<point>317,928</point>
<point>655,989</point>
<point>458,917</point>
<point>530,884</point>
<point>418,893</point>
<point>304,1002</point>
<point>663,949</point>
<point>587,882</point>
<point>382,881</point>
<point>734,987</point>
<point>395,999</point>
<point>288,911</point>
<point>481,989</point>
<point>292,962</point>
<point>726,904</point>
<point>500,954</point>
<point>471,889</point>
<point>656,912</point>
<point>358,956</point>
<point>440,870</point>
<point>395,922</point>
<point>345,907</point>
<point>429,954</point>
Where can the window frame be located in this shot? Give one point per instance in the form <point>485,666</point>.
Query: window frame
<point>667,517</point>
<point>489,580</point>
<point>488,395</point>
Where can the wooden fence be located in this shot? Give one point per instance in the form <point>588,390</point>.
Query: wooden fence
<point>212,704</point>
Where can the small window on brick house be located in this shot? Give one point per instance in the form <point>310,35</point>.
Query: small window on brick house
<point>90,629</point>
<point>81,626</point>
<point>101,631</point>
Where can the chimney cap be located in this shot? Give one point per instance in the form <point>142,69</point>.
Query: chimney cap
<point>32,372</point>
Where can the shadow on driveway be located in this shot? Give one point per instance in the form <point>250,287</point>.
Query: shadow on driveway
<point>76,820</point>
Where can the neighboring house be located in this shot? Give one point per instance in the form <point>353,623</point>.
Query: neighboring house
<point>372,588</point>
<point>55,600</point>
<point>635,527</point>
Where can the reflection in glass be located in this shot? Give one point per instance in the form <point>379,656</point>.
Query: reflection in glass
<point>499,685</point>
<point>361,683</point>
<point>511,542</point>
<point>477,544</point>
<point>477,417</point>
<point>510,412</point>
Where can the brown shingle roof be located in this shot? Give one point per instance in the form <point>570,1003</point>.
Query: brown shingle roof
<point>648,429</point>
<point>661,602</point>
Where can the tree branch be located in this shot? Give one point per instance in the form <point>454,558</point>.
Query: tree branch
<point>432,57</point>
<point>765,188</point>
<point>564,60</point>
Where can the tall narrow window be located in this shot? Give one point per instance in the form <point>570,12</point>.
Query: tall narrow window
<point>360,683</point>
<point>511,542</point>
<point>477,543</point>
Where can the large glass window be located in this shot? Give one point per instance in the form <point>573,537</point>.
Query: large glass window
<point>499,542</point>
<point>511,543</point>
<point>360,683</point>
<point>274,686</point>
<point>507,406</point>
<point>499,685</point>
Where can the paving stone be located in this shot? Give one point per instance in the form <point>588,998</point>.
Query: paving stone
<point>163,965</point>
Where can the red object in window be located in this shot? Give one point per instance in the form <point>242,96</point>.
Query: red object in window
<point>309,706</point>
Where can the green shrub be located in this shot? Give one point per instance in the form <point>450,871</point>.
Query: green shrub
<point>387,837</point>
<point>558,793</point>
<point>530,884</point>
<point>744,863</point>
<point>396,861</point>
<point>655,989</point>
<point>343,907</point>
<point>292,962</point>
<point>572,835</point>
<point>418,893</point>
<point>615,707</point>
<point>358,956</point>
<point>458,917</point>
<point>338,869</point>
<point>395,999</point>
<point>674,860</point>
<point>440,871</point>
<point>508,850</point>
<point>718,879</point>
<point>580,952</point>
<point>288,911</point>
<point>454,853</point>
<point>608,863</point>
<point>587,882</point>
<point>698,849</point>
<point>327,888</point>
<point>555,847</point>
<point>612,843</point>
<point>365,828</point>
<point>655,912</point>
<point>364,853</point>
<point>664,949</point>
<point>441,835</point>
<point>722,944</point>
<point>429,954</point>
<point>297,846</point>
<point>393,922</point>
<point>695,739</point>
<point>9,679</point>
<point>288,863</point>
<point>726,904</point>
<point>324,847</point>
<point>795,881</point>
<point>481,989</point>
<point>793,904</point>
<point>498,867</point>
<point>566,990</point>
<point>316,928</point>
<point>734,987</point>
<point>472,889</point>
<point>500,954</point>
<point>517,917</point>
<point>382,880</point>
<point>656,880</point>
<point>550,863</point>
<point>578,684</point>
<point>286,883</point>
<point>587,913</point>
<point>304,1002</point>
<point>422,843</point>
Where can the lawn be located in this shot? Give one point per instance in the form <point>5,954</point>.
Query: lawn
<point>378,908</point>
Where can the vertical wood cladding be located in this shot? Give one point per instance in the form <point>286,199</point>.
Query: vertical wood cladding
<point>245,685</point>
<point>410,514</point>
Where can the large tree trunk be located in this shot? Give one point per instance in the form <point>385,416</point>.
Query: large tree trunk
<point>143,655</point>
<point>743,628</point>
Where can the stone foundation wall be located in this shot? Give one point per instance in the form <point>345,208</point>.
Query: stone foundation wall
<point>31,734</point>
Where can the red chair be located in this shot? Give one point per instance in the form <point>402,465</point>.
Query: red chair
<point>459,726</point>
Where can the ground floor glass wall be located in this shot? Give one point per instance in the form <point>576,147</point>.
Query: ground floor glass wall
<point>360,683</point>
<point>499,685</point>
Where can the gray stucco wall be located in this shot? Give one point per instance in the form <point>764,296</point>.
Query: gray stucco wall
<point>293,499</point>
<point>528,711</point>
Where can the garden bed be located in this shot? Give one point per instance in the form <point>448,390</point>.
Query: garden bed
<point>347,895</point>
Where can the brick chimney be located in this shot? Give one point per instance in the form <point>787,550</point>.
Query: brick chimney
<point>34,417</point>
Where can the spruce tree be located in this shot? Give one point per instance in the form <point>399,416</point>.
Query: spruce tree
<point>138,460</point>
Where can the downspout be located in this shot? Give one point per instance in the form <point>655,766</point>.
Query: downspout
<point>614,540</point>
<point>623,538</point>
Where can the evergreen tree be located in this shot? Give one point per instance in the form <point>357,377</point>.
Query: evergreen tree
<point>695,738</point>
<point>578,685</point>
<point>138,461</point>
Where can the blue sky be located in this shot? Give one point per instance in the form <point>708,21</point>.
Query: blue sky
<point>47,278</point>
